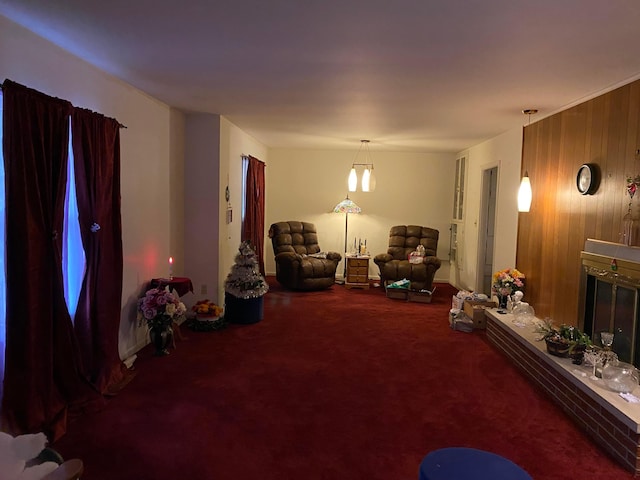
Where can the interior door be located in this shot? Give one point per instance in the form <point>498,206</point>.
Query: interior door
<point>487,227</point>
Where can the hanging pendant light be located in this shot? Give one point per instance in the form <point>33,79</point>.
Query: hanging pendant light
<point>366,177</point>
<point>368,182</point>
<point>372,179</point>
<point>353,179</point>
<point>525,194</point>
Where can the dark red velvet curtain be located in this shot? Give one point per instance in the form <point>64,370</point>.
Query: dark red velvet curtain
<point>42,379</point>
<point>253,224</point>
<point>96,150</point>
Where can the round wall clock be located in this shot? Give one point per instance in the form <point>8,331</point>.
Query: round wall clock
<point>587,179</point>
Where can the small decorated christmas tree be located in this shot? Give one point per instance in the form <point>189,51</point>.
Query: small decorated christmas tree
<point>245,280</point>
<point>244,288</point>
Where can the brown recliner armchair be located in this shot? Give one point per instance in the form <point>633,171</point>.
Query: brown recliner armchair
<point>300,264</point>
<point>394,265</point>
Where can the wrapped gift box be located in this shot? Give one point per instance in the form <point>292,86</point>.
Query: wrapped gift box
<point>398,293</point>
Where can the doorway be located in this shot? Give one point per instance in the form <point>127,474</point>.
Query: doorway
<point>486,229</point>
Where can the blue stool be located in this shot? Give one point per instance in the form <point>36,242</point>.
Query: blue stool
<point>458,463</point>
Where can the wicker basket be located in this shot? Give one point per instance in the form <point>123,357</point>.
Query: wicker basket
<point>559,349</point>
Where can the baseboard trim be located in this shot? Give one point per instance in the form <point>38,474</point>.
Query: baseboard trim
<point>131,352</point>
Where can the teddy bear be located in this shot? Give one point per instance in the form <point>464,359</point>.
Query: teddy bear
<point>15,453</point>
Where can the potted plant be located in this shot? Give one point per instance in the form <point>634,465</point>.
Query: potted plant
<point>563,341</point>
<point>244,288</point>
<point>159,308</point>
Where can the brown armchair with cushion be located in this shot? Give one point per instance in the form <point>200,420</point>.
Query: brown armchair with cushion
<point>394,265</point>
<point>300,264</point>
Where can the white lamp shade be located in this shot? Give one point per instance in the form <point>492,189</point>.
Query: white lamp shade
<point>372,180</point>
<point>353,180</point>
<point>365,179</point>
<point>524,194</point>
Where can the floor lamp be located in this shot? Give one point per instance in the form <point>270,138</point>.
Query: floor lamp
<point>346,206</point>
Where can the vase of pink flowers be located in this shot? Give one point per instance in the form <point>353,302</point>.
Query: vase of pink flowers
<point>159,309</point>
<point>506,282</point>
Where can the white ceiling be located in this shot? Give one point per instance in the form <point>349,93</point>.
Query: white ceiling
<point>410,75</point>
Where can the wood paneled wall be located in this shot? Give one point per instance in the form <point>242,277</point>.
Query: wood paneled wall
<point>604,131</point>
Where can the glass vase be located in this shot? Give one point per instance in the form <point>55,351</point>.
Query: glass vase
<point>161,337</point>
<point>502,300</point>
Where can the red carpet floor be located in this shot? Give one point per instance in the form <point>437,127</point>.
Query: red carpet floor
<point>339,384</point>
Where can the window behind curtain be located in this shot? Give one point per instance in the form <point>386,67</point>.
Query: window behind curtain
<point>73,258</point>
<point>3,279</point>
<point>243,206</point>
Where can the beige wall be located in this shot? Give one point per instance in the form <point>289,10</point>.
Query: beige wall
<point>202,192</point>
<point>233,144</point>
<point>412,188</point>
<point>213,161</point>
<point>504,152</point>
<point>177,189</point>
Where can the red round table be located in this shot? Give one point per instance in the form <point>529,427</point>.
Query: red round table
<point>181,285</point>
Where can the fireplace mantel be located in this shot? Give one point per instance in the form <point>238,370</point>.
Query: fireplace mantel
<point>612,250</point>
<point>617,262</point>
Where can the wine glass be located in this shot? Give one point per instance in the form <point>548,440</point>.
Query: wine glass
<point>607,339</point>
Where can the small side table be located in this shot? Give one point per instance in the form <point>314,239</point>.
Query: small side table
<point>357,272</point>
<point>182,285</point>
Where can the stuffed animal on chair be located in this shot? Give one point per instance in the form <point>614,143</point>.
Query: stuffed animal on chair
<point>15,453</point>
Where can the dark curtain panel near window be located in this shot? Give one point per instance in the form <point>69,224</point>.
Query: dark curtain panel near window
<point>96,149</point>
<point>253,225</point>
<point>42,382</point>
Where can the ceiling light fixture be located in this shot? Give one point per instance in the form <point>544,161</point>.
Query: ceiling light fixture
<point>525,194</point>
<point>368,178</point>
